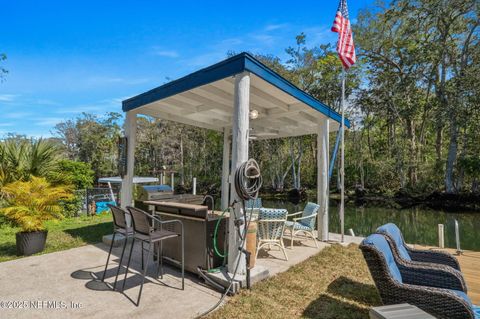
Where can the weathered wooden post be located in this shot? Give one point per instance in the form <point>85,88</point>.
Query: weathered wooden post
<point>322,178</point>
<point>225,169</point>
<point>194,190</point>
<point>441,236</point>
<point>240,134</point>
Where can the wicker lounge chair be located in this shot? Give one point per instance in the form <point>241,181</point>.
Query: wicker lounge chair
<point>270,227</point>
<point>305,223</point>
<point>435,291</point>
<point>416,255</point>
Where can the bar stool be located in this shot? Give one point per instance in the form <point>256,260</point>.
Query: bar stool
<point>145,232</point>
<point>119,227</point>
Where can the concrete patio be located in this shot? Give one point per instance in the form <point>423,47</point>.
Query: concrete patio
<point>63,285</point>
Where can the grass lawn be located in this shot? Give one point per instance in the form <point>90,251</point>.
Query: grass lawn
<point>64,234</point>
<point>332,284</point>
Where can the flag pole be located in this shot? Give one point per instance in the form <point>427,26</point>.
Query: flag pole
<point>342,161</point>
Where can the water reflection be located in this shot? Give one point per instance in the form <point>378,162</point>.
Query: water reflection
<point>418,225</point>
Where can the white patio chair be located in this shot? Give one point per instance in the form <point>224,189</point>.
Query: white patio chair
<point>305,223</point>
<point>270,228</point>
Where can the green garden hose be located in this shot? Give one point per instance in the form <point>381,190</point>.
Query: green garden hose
<point>215,232</point>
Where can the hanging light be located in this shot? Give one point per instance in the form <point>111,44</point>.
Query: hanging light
<point>253,114</point>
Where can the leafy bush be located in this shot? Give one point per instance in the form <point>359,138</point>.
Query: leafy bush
<point>31,203</point>
<point>77,174</point>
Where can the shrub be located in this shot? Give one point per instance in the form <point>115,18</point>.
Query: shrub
<point>29,204</point>
<point>77,174</point>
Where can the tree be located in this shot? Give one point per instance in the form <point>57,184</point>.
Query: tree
<point>416,54</point>
<point>92,139</point>
<point>3,71</point>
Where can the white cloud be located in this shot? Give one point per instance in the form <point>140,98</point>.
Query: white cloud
<point>49,121</point>
<point>8,97</point>
<point>16,115</point>
<point>273,27</point>
<point>109,80</point>
<point>98,107</point>
<point>165,53</point>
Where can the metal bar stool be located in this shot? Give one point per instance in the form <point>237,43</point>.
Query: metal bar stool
<point>145,232</point>
<point>119,227</point>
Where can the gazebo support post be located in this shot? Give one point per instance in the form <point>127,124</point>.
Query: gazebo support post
<point>240,134</point>
<point>130,128</point>
<point>225,168</point>
<point>322,179</point>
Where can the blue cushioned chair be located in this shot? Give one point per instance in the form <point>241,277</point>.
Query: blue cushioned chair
<point>416,255</point>
<point>433,290</point>
<point>270,227</point>
<point>305,223</point>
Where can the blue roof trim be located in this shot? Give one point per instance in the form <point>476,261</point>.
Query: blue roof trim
<point>261,70</point>
<point>229,67</point>
<point>221,70</point>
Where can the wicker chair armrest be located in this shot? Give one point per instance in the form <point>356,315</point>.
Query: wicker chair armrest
<point>441,303</point>
<point>432,275</point>
<point>294,214</point>
<point>437,257</point>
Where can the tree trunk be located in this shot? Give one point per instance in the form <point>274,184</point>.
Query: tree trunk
<point>438,142</point>
<point>299,161</point>
<point>412,167</point>
<point>452,154</point>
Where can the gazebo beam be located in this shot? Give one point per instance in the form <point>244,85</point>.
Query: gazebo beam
<point>259,93</point>
<point>207,101</point>
<point>224,95</point>
<point>225,168</point>
<point>211,125</point>
<point>130,127</point>
<point>322,178</point>
<point>239,155</point>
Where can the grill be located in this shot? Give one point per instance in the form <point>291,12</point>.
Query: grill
<point>154,192</point>
<point>199,225</point>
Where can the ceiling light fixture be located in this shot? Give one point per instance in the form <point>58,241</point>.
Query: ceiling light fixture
<point>253,114</point>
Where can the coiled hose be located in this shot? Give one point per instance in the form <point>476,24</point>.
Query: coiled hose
<point>247,182</point>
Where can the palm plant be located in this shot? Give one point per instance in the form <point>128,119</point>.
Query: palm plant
<point>21,158</point>
<point>30,203</point>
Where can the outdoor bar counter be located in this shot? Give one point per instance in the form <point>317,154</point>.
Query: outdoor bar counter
<point>199,225</point>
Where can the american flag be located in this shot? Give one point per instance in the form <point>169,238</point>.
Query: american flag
<point>345,46</point>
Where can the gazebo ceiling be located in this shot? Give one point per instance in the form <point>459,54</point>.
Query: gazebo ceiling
<point>205,99</point>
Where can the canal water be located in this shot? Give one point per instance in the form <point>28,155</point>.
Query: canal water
<point>418,225</point>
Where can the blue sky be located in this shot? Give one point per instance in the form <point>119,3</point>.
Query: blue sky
<point>68,57</point>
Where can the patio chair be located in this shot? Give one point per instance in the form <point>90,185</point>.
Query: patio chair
<point>416,255</point>
<point>254,204</point>
<point>119,227</point>
<point>270,227</point>
<point>305,223</point>
<point>146,232</point>
<point>433,290</point>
